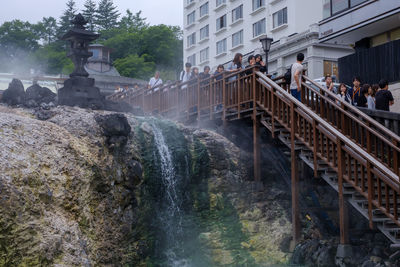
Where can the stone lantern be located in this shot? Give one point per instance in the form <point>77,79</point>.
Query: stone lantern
<point>79,90</point>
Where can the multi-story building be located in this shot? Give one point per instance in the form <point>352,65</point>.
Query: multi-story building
<point>214,30</point>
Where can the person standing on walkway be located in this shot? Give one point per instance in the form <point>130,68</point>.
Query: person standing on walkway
<point>235,65</point>
<point>251,62</point>
<point>355,92</point>
<point>343,93</point>
<point>383,97</point>
<point>155,82</point>
<point>205,74</point>
<point>186,74</point>
<point>362,99</point>
<point>371,96</point>
<point>329,85</point>
<point>297,73</point>
<point>259,62</point>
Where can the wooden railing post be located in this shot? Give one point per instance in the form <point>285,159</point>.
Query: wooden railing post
<point>315,148</point>
<point>212,90</point>
<point>198,100</point>
<point>223,100</point>
<point>295,178</point>
<point>371,193</point>
<point>256,135</point>
<point>343,208</point>
<point>396,158</point>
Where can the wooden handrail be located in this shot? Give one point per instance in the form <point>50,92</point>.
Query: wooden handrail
<point>390,174</point>
<point>356,111</point>
<point>308,122</point>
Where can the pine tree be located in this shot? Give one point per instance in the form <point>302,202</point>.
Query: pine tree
<point>131,22</point>
<point>89,13</point>
<point>68,15</point>
<point>106,15</point>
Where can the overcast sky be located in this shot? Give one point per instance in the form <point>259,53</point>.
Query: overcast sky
<point>168,12</point>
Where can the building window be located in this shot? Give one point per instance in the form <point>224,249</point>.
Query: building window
<point>192,59</point>
<point>204,54</point>
<point>237,38</point>
<point>280,17</point>
<point>221,22</point>
<point>204,10</point>
<point>259,28</point>
<point>332,7</point>
<point>96,53</point>
<point>356,2</point>
<point>191,18</point>
<point>331,68</point>
<point>204,32</point>
<point>326,9</point>
<point>258,3</point>
<point>188,2</point>
<point>220,2</point>
<point>191,40</point>
<point>221,46</point>
<point>339,5</point>
<point>237,13</point>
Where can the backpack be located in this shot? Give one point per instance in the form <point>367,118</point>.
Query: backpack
<point>288,75</point>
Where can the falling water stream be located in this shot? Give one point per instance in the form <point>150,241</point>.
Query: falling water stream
<point>171,214</point>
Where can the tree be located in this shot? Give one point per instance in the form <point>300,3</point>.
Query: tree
<point>131,22</point>
<point>106,16</point>
<point>135,66</point>
<point>89,13</point>
<point>17,36</point>
<point>47,29</point>
<point>68,15</point>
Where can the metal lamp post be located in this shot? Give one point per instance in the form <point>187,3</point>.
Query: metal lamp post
<point>266,45</point>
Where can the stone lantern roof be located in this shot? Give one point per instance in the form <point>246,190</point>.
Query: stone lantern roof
<point>79,31</point>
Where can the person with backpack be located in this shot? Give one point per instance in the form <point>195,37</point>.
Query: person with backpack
<point>296,75</point>
<point>186,74</point>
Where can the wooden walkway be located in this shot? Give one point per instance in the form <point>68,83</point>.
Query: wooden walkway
<point>353,153</point>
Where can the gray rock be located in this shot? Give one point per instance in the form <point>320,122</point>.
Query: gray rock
<point>15,94</point>
<point>39,94</point>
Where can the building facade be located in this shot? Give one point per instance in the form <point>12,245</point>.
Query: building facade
<point>214,30</point>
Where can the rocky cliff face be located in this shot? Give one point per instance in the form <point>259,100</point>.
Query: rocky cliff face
<point>83,188</point>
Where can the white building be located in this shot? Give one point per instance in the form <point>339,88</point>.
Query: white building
<point>214,30</point>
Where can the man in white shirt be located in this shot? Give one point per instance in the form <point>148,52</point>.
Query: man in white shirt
<point>155,81</point>
<point>186,74</point>
<point>297,73</point>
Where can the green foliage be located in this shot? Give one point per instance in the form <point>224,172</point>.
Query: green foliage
<point>47,29</point>
<point>131,22</point>
<point>89,13</point>
<point>53,60</point>
<point>68,15</point>
<point>134,66</point>
<point>16,36</point>
<point>106,16</point>
<point>138,49</point>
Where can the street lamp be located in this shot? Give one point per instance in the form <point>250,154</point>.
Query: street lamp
<point>266,45</point>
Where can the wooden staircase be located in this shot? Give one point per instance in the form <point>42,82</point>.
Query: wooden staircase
<point>390,229</point>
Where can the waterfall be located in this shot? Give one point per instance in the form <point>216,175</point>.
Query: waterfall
<point>171,214</point>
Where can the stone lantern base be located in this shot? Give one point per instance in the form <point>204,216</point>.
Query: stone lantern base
<point>80,91</point>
